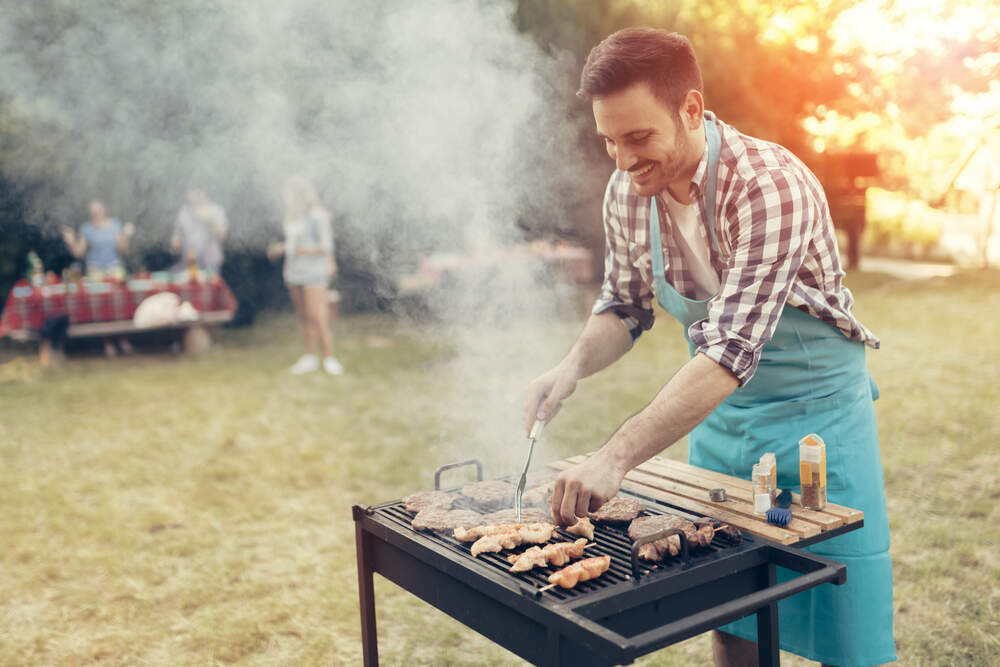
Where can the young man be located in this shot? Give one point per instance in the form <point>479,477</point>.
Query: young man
<point>733,237</point>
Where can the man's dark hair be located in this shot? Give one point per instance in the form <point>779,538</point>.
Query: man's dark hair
<point>664,60</point>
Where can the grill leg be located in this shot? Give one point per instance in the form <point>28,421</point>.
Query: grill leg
<point>366,596</point>
<point>767,628</point>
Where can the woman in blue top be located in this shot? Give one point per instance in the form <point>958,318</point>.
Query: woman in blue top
<point>100,243</point>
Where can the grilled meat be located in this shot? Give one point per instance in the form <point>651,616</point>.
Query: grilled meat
<point>526,533</point>
<point>510,516</point>
<point>435,518</point>
<point>422,500</point>
<point>551,554</point>
<point>489,495</point>
<point>620,509</point>
<point>697,536</point>
<point>588,568</point>
<point>582,527</point>
<point>539,496</point>
<point>483,529</point>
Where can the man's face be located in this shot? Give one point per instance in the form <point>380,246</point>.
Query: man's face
<point>643,136</point>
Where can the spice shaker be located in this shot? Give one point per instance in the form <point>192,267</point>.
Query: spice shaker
<point>812,471</point>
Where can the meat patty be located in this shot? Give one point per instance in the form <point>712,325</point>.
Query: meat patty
<point>422,500</point>
<point>444,520</point>
<point>539,496</point>
<point>510,516</point>
<point>620,509</point>
<point>489,495</point>
<point>697,536</point>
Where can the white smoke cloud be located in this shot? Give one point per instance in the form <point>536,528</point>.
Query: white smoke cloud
<point>429,126</point>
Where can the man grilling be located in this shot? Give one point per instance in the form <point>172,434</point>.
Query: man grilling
<point>733,237</point>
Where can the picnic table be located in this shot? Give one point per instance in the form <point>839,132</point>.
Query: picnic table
<point>106,308</point>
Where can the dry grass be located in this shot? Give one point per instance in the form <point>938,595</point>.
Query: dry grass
<point>156,510</point>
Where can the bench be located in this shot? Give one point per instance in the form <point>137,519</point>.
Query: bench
<point>195,336</point>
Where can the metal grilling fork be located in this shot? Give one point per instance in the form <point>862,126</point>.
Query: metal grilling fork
<point>536,432</point>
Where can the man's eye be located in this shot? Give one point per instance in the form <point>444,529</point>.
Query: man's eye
<point>608,142</point>
<point>641,139</point>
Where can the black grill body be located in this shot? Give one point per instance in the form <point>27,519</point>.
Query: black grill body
<point>610,620</point>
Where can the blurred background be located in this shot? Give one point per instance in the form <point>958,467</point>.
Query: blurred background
<point>165,509</point>
<point>895,105</point>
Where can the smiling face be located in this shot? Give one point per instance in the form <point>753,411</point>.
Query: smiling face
<point>656,146</point>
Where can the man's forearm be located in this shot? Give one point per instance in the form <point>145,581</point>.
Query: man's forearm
<point>687,399</point>
<point>603,341</point>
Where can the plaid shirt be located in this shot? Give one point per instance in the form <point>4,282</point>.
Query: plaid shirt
<point>776,245</point>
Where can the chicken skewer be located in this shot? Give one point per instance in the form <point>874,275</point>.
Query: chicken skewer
<point>474,533</point>
<point>523,534</point>
<point>583,528</point>
<point>551,554</point>
<point>584,570</point>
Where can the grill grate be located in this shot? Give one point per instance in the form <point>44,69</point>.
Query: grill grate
<point>609,540</point>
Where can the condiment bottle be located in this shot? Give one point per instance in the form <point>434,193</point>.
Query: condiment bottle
<point>761,479</point>
<point>812,471</point>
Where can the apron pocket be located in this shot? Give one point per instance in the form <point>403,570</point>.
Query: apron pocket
<point>741,434</point>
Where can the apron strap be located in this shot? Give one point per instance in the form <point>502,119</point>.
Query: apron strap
<point>714,149</point>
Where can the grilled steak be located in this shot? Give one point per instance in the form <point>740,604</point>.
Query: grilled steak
<point>436,518</point>
<point>541,477</point>
<point>510,516</point>
<point>697,536</point>
<point>619,509</point>
<point>421,500</point>
<point>489,495</point>
<point>539,496</point>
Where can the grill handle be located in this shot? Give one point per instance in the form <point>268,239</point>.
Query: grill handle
<point>652,537</point>
<point>459,464</point>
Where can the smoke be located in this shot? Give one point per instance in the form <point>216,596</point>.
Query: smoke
<point>428,127</point>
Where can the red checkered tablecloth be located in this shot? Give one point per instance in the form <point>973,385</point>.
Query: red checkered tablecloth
<point>28,307</point>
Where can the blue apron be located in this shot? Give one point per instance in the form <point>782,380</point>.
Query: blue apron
<point>810,379</point>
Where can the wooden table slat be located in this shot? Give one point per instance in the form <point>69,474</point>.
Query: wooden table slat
<point>846,513</point>
<point>825,521</point>
<point>742,507</point>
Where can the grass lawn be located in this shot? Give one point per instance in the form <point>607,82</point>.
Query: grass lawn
<point>160,510</point>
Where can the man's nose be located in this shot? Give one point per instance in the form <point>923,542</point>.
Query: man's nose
<point>624,160</point>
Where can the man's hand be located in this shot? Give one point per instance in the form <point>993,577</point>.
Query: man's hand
<point>544,396</point>
<point>69,236</point>
<point>584,488</point>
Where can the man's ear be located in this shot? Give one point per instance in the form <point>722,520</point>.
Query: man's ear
<point>693,110</point>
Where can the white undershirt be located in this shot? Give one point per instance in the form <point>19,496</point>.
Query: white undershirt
<point>692,241</point>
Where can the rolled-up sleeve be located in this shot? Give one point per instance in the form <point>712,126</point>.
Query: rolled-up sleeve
<point>769,225</point>
<point>623,291</point>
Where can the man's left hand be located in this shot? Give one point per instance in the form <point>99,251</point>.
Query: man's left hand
<point>584,488</point>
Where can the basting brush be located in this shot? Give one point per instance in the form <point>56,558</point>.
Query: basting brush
<point>780,515</point>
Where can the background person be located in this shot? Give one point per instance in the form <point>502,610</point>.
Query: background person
<point>733,237</point>
<point>101,242</point>
<point>309,266</point>
<point>199,232</point>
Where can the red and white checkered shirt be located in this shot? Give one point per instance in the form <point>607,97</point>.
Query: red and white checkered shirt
<point>776,245</point>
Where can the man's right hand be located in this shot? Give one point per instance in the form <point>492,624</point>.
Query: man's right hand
<point>544,396</point>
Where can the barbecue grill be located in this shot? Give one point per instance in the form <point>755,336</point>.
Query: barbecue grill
<point>632,609</point>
